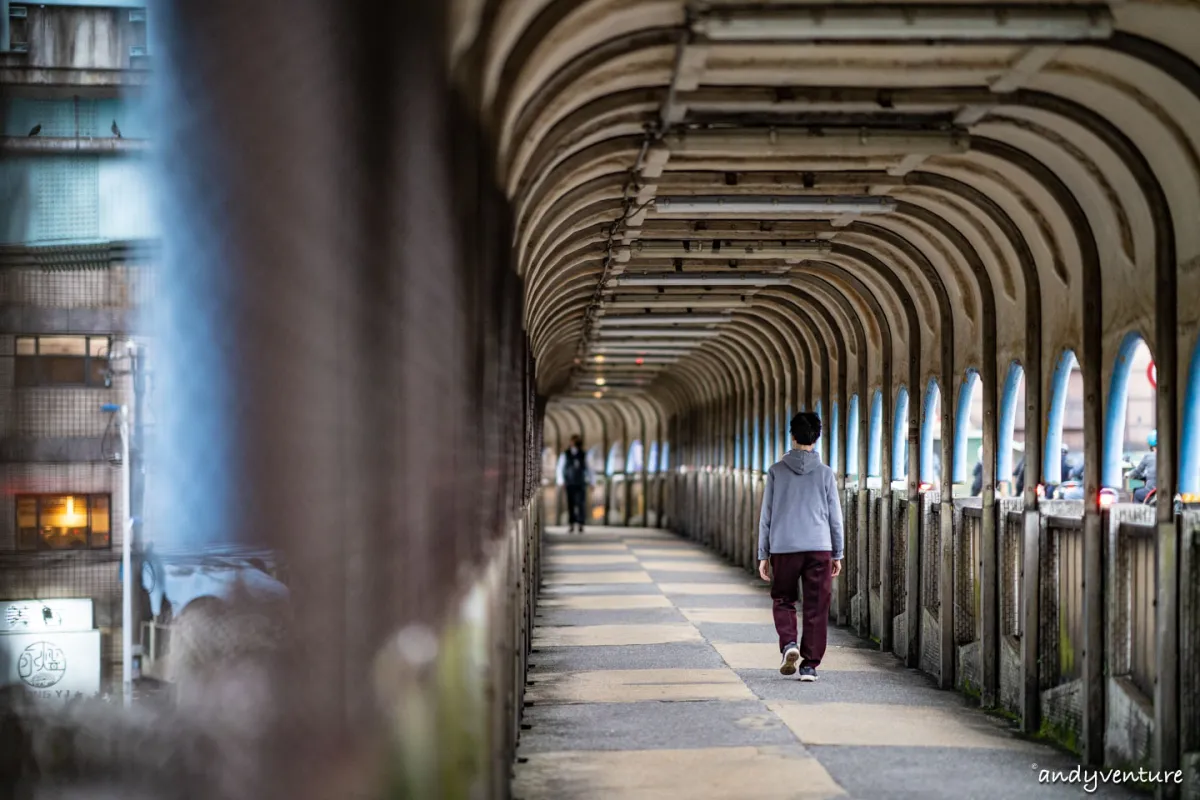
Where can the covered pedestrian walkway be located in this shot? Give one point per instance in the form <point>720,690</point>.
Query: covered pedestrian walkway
<point>400,252</point>
<point>654,674</point>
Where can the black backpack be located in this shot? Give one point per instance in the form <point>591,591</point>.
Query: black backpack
<point>574,469</point>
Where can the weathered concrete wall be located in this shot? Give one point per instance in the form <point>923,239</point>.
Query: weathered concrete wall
<point>1128,737</point>
<point>67,37</point>
<point>1010,676</point>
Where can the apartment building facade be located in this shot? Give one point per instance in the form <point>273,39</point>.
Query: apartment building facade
<point>76,270</point>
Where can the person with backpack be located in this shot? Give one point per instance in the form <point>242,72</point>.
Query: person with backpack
<point>800,546</point>
<point>575,476</point>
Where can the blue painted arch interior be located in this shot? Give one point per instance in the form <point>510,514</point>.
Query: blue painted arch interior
<point>929,412</point>
<point>633,462</point>
<point>1052,458</point>
<point>820,448</point>
<point>852,436</point>
<point>900,435</point>
<point>962,426</point>
<point>834,452</point>
<point>875,436</point>
<point>616,459</point>
<point>1115,411</point>
<point>1189,446</point>
<point>1010,400</point>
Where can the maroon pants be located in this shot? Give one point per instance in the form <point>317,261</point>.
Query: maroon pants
<point>809,575</point>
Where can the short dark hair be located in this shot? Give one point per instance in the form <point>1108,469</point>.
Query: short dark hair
<point>806,428</point>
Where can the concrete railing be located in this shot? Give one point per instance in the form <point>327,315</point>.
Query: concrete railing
<point>1018,627</point>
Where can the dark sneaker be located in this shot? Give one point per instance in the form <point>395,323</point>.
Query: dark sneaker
<point>808,674</point>
<point>791,656</point>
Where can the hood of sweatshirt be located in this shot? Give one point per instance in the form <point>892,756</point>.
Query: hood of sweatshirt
<point>801,461</point>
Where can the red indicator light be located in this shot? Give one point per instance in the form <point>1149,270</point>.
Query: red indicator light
<point>640,361</point>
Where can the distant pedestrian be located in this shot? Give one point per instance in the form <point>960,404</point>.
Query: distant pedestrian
<point>800,542</point>
<point>575,476</point>
<point>1147,471</point>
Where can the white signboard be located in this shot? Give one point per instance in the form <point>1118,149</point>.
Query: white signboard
<point>28,616</point>
<point>52,666</point>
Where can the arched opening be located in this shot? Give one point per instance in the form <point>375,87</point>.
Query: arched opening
<point>966,440</point>
<point>1130,415</point>
<point>834,450</point>
<point>875,437</point>
<point>1064,426</point>
<point>762,440</point>
<point>756,459</point>
<point>597,495</point>
<point>852,437</point>
<point>1010,455</point>
<point>633,462</point>
<point>1189,446</point>
<point>615,493</point>
<point>664,461</point>
<point>931,434</point>
<point>820,448</point>
<point>595,459</point>
<point>652,459</point>
<point>900,436</point>
<point>635,486</point>
<point>616,460</point>
<point>785,431</point>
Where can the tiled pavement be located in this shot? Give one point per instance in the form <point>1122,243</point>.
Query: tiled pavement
<point>656,676</point>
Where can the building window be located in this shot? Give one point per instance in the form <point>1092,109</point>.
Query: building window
<point>62,361</point>
<point>63,522</point>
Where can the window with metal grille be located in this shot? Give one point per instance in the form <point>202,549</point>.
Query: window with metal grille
<point>18,29</point>
<point>62,361</point>
<point>64,522</point>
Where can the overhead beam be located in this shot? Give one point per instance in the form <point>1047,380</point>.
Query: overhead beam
<point>814,205</point>
<point>824,142</point>
<point>634,320</point>
<point>792,252</point>
<point>895,22</point>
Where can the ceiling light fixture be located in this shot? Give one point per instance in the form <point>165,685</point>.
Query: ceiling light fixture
<point>626,349</point>
<point>638,346</point>
<point>698,279</point>
<point>630,358</point>
<point>816,205</point>
<point>898,23</point>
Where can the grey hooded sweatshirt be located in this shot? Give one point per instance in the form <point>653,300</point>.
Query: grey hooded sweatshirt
<point>800,510</point>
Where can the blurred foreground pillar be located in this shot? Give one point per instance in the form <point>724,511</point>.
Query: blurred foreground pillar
<point>310,381</point>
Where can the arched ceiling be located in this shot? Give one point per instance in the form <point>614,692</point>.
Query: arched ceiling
<point>814,198</point>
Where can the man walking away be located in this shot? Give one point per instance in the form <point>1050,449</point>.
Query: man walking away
<point>575,475</point>
<point>800,539</point>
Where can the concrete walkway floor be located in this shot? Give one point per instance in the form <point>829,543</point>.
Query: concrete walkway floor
<point>656,676</point>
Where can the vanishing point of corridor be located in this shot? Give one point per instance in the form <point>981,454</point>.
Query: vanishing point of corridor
<point>654,675</point>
